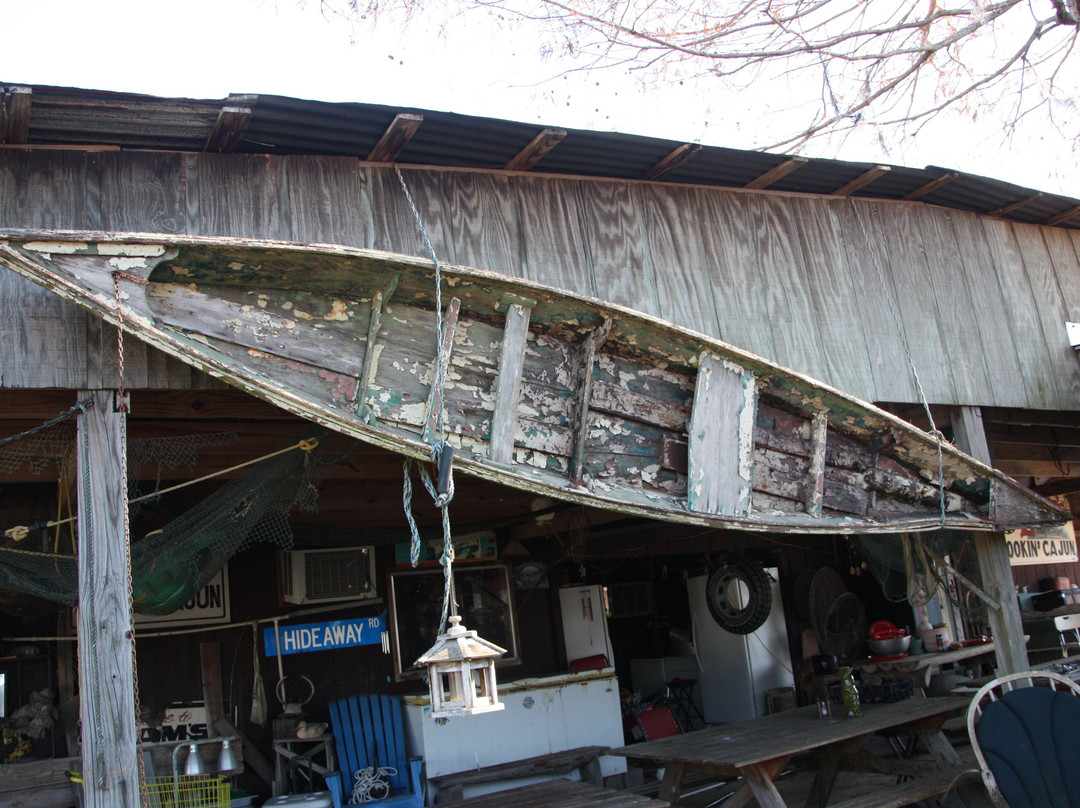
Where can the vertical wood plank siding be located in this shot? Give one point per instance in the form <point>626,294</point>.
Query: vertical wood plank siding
<point>793,278</point>
<point>682,261</point>
<point>829,280</point>
<point>991,310</point>
<point>1022,318</point>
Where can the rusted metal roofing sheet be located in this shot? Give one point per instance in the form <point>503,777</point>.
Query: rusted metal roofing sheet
<point>281,125</point>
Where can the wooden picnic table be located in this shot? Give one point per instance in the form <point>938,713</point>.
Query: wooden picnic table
<point>757,750</point>
<point>921,666</point>
<point>559,794</point>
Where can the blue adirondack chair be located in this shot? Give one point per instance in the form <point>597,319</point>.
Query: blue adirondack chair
<point>369,731</point>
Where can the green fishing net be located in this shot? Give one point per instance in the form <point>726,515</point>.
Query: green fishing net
<point>171,565</point>
<point>904,575</point>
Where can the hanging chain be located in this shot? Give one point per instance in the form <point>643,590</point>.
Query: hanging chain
<point>442,454</point>
<point>131,626</point>
<point>121,398</point>
<point>122,405</point>
<point>933,431</point>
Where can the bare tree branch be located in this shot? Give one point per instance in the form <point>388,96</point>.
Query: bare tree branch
<point>877,64</point>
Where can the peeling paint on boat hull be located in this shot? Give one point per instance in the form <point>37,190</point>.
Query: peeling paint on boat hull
<point>307,329</point>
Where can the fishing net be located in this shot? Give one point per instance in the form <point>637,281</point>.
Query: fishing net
<point>171,565</point>
<point>38,447</point>
<point>912,567</point>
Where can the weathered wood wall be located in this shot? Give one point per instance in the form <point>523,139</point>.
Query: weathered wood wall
<point>982,302</point>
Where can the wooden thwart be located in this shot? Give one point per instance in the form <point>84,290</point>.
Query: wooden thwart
<point>721,428</point>
<point>585,382</point>
<point>508,386</point>
<point>378,300</point>
<point>815,483</point>
<point>435,402</point>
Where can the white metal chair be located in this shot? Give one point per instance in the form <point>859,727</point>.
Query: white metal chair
<point>1068,624</point>
<point>1023,731</point>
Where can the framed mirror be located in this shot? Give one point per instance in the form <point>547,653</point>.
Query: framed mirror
<point>485,603</point>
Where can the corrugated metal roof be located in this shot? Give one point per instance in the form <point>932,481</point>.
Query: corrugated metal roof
<point>281,125</point>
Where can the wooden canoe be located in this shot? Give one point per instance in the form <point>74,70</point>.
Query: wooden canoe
<point>544,390</point>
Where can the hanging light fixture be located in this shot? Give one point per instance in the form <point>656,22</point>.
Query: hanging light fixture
<point>227,758</point>
<point>194,763</point>
<point>461,672</point>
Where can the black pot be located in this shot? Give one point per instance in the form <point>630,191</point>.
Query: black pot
<point>824,664</point>
<point>1048,601</point>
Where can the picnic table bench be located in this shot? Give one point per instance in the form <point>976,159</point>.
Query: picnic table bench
<point>757,750</point>
<point>586,759</point>
<point>560,794</point>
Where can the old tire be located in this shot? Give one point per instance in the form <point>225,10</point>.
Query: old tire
<point>739,595</point>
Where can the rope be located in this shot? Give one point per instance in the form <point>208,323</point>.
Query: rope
<point>442,502</point>
<point>77,409</point>
<point>442,454</point>
<point>371,784</point>
<point>20,532</point>
<point>934,432</point>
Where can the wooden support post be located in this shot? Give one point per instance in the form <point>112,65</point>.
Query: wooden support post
<point>508,385</point>
<point>106,675</point>
<point>993,554</point>
<point>721,434</point>
<point>210,665</point>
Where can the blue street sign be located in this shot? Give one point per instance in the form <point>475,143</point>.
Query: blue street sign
<point>309,637</point>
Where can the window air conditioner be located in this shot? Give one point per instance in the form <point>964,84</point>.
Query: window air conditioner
<point>321,576</point>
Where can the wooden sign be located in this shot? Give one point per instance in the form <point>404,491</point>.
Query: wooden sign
<point>210,605</point>
<point>1044,545</point>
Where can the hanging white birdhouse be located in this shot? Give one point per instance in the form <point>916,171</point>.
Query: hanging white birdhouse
<point>461,672</point>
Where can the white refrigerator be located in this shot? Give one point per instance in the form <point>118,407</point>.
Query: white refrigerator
<point>737,669</point>
<point>584,620</point>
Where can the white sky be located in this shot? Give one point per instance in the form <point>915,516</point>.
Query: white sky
<point>212,48</point>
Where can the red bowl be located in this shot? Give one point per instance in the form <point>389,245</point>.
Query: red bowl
<point>882,625</point>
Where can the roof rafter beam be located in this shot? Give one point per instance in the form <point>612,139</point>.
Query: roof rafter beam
<point>532,154</point>
<point>1005,210</point>
<point>15,115</point>
<point>1064,216</point>
<point>674,159</point>
<point>777,173</point>
<point>861,181</point>
<point>930,187</point>
<point>395,138</point>
<point>228,129</point>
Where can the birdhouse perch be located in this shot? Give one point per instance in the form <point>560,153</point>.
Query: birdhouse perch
<point>461,672</point>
